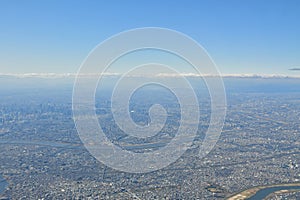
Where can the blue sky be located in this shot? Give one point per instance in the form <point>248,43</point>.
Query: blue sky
<point>250,36</point>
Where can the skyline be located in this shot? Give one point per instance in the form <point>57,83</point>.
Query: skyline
<point>249,37</point>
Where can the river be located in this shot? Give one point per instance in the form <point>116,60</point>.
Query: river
<point>263,193</point>
<point>3,184</point>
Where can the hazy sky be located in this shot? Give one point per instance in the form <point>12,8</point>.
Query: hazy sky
<point>247,36</point>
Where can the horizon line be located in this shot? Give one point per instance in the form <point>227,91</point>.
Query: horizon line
<point>160,75</point>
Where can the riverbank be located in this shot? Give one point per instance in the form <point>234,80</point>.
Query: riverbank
<point>259,191</point>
